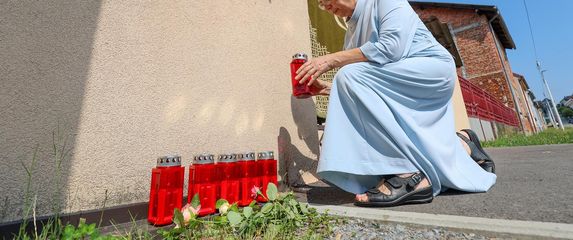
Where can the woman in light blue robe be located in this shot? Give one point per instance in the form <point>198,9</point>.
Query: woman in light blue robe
<point>390,135</point>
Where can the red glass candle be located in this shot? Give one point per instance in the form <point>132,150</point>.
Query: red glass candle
<point>267,169</point>
<point>203,180</point>
<point>228,169</point>
<point>248,178</point>
<point>166,191</point>
<point>298,90</point>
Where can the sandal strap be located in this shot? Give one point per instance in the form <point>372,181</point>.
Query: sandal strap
<point>472,135</point>
<point>411,181</point>
<point>415,179</point>
<point>398,187</point>
<point>396,182</point>
<point>463,137</point>
<point>373,191</point>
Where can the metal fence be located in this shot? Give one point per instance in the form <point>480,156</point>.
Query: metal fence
<point>482,105</point>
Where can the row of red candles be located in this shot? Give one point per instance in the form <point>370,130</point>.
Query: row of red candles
<point>233,178</point>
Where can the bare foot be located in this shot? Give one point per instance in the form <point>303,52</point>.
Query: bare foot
<point>382,187</point>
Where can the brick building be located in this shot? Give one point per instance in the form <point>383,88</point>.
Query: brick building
<point>480,38</point>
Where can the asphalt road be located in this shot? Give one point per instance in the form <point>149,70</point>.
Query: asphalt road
<point>534,184</point>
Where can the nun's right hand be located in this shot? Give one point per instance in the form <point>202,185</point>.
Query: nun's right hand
<point>310,71</point>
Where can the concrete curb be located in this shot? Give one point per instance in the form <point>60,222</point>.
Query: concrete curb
<point>498,226</point>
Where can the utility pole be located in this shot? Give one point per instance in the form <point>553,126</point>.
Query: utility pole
<point>553,106</point>
<point>546,86</point>
<point>550,114</point>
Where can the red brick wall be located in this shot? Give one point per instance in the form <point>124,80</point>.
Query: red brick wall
<point>477,48</point>
<point>494,83</point>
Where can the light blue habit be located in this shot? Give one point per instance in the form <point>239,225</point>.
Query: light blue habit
<point>393,114</point>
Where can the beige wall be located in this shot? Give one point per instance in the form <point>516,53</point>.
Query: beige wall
<point>460,113</point>
<point>127,81</point>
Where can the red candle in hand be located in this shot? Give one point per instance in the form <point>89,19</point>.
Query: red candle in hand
<point>298,90</point>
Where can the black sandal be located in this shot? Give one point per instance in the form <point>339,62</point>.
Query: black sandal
<point>475,139</point>
<point>402,192</point>
<point>476,151</point>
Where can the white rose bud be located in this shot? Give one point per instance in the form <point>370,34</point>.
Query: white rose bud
<point>186,215</point>
<point>224,208</point>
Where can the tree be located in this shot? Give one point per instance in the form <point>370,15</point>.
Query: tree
<point>566,112</point>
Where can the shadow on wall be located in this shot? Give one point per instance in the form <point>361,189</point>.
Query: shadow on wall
<point>46,47</point>
<point>300,169</point>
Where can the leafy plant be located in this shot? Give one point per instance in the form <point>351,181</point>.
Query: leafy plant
<point>83,231</point>
<point>282,217</point>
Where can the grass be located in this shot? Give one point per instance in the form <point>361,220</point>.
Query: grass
<point>549,136</point>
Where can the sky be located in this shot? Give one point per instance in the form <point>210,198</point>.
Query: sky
<point>551,24</point>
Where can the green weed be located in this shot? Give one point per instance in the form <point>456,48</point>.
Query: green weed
<point>549,136</point>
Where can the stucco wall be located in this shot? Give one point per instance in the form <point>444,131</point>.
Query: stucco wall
<point>460,112</point>
<point>128,81</point>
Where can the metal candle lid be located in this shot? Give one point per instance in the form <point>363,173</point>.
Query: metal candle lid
<point>266,155</point>
<point>300,56</point>
<point>227,158</point>
<point>250,156</point>
<point>169,161</point>
<point>204,159</point>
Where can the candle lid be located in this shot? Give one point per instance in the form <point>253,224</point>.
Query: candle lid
<point>227,158</point>
<point>300,56</point>
<point>169,161</point>
<point>266,155</point>
<point>204,159</point>
<point>249,156</point>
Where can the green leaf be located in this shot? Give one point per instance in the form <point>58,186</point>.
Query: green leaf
<point>234,218</point>
<point>290,213</point>
<point>303,208</point>
<point>282,196</point>
<point>195,202</point>
<point>247,211</point>
<point>272,191</point>
<point>293,202</point>
<point>234,208</point>
<point>272,231</point>
<point>267,207</point>
<point>69,231</point>
<point>178,217</point>
<point>220,202</point>
<point>253,203</point>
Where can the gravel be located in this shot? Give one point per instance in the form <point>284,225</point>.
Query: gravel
<point>352,228</point>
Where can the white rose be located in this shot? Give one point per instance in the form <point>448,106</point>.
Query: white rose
<point>186,215</point>
<point>224,208</point>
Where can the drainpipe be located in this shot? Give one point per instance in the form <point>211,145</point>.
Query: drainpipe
<point>500,52</point>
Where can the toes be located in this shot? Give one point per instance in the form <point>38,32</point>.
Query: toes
<point>361,198</point>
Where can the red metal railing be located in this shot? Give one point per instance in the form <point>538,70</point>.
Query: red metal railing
<point>482,105</point>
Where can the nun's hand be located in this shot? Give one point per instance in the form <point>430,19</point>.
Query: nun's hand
<point>310,71</point>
